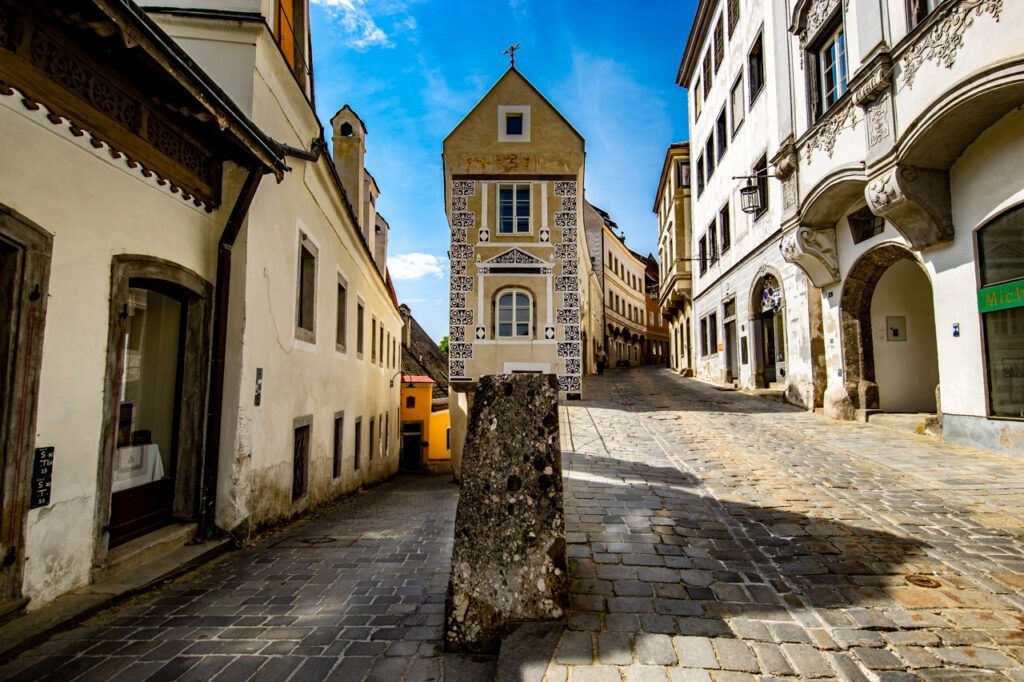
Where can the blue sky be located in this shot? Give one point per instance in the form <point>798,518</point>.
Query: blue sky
<point>412,69</point>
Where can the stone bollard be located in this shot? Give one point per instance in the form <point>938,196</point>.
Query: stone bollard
<point>509,559</point>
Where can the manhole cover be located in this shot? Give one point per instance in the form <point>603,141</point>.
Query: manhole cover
<point>308,541</point>
<point>923,580</point>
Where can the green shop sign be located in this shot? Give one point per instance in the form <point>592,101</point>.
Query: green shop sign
<point>1001,297</point>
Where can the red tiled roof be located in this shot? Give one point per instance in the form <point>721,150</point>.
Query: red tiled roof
<point>417,379</point>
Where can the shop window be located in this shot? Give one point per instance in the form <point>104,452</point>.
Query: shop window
<point>1001,304</point>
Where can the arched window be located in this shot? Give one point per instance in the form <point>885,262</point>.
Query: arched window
<point>514,311</point>
<point>410,401</point>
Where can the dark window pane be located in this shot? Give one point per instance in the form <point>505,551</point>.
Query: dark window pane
<point>514,124</point>
<point>1001,246</point>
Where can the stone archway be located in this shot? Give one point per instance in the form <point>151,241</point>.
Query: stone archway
<point>861,394</point>
<point>767,330</point>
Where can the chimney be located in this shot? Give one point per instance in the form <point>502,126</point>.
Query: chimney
<point>380,244</point>
<point>406,314</point>
<point>349,149</point>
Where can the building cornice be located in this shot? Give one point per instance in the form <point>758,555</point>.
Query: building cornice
<point>695,41</point>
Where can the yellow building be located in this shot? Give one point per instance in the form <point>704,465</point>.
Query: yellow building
<point>675,258</point>
<point>426,420</point>
<point>520,266</point>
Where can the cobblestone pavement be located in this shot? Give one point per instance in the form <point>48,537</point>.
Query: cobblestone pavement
<point>714,535</point>
<point>357,592</point>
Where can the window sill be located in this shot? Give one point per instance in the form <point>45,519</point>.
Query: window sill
<point>754,97</point>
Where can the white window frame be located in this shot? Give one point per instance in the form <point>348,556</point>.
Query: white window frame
<point>836,42</point>
<point>516,186</point>
<point>514,292</point>
<point>503,112</point>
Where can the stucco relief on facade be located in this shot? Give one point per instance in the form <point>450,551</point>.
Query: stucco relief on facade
<point>565,250</point>
<point>566,284</point>
<point>457,368</point>
<point>545,235</point>
<point>916,201</point>
<point>823,136</point>
<point>569,203</point>
<point>565,219</point>
<point>878,121</point>
<point>572,332</point>
<point>570,267</point>
<point>814,251</point>
<point>463,219</point>
<point>458,267</point>
<point>565,188</point>
<point>456,300</point>
<point>462,252</point>
<point>569,234</point>
<point>462,283</point>
<point>459,203</point>
<point>572,366</point>
<point>946,36</point>
<point>456,333</point>
<point>514,257</point>
<point>567,316</point>
<point>460,350</point>
<point>463,188</point>
<point>569,383</point>
<point>571,300</point>
<point>568,350</point>
<point>460,317</point>
<point>459,235</point>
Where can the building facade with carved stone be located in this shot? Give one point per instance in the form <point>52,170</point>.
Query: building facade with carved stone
<point>675,255</point>
<point>750,306</point>
<point>520,269</point>
<point>905,182</point>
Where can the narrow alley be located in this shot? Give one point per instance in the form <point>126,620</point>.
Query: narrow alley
<point>712,535</point>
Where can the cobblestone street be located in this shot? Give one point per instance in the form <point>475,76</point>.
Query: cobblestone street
<point>712,536</point>
<point>718,536</point>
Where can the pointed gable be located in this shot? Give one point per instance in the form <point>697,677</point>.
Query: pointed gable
<point>549,145</point>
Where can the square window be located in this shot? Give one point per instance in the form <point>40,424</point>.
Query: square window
<point>514,209</point>
<point>513,124</point>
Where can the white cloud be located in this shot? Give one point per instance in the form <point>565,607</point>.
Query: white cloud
<point>415,266</point>
<point>357,19</point>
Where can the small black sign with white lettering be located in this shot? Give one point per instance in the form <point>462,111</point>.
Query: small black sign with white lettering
<point>42,471</point>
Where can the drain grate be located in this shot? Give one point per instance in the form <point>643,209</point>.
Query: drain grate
<point>922,580</point>
<point>316,541</point>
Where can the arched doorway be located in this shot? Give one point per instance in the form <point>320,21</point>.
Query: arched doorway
<point>767,328</point>
<point>888,326</point>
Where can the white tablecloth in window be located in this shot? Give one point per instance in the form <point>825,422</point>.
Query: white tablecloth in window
<point>137,464</point>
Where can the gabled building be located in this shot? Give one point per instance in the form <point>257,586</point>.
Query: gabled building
<point>675,255</point>
<point>520,268</point>
<point>426,420</point>
<point>657,337</point>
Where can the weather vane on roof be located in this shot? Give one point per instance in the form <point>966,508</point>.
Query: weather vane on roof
<point>511,52</point>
